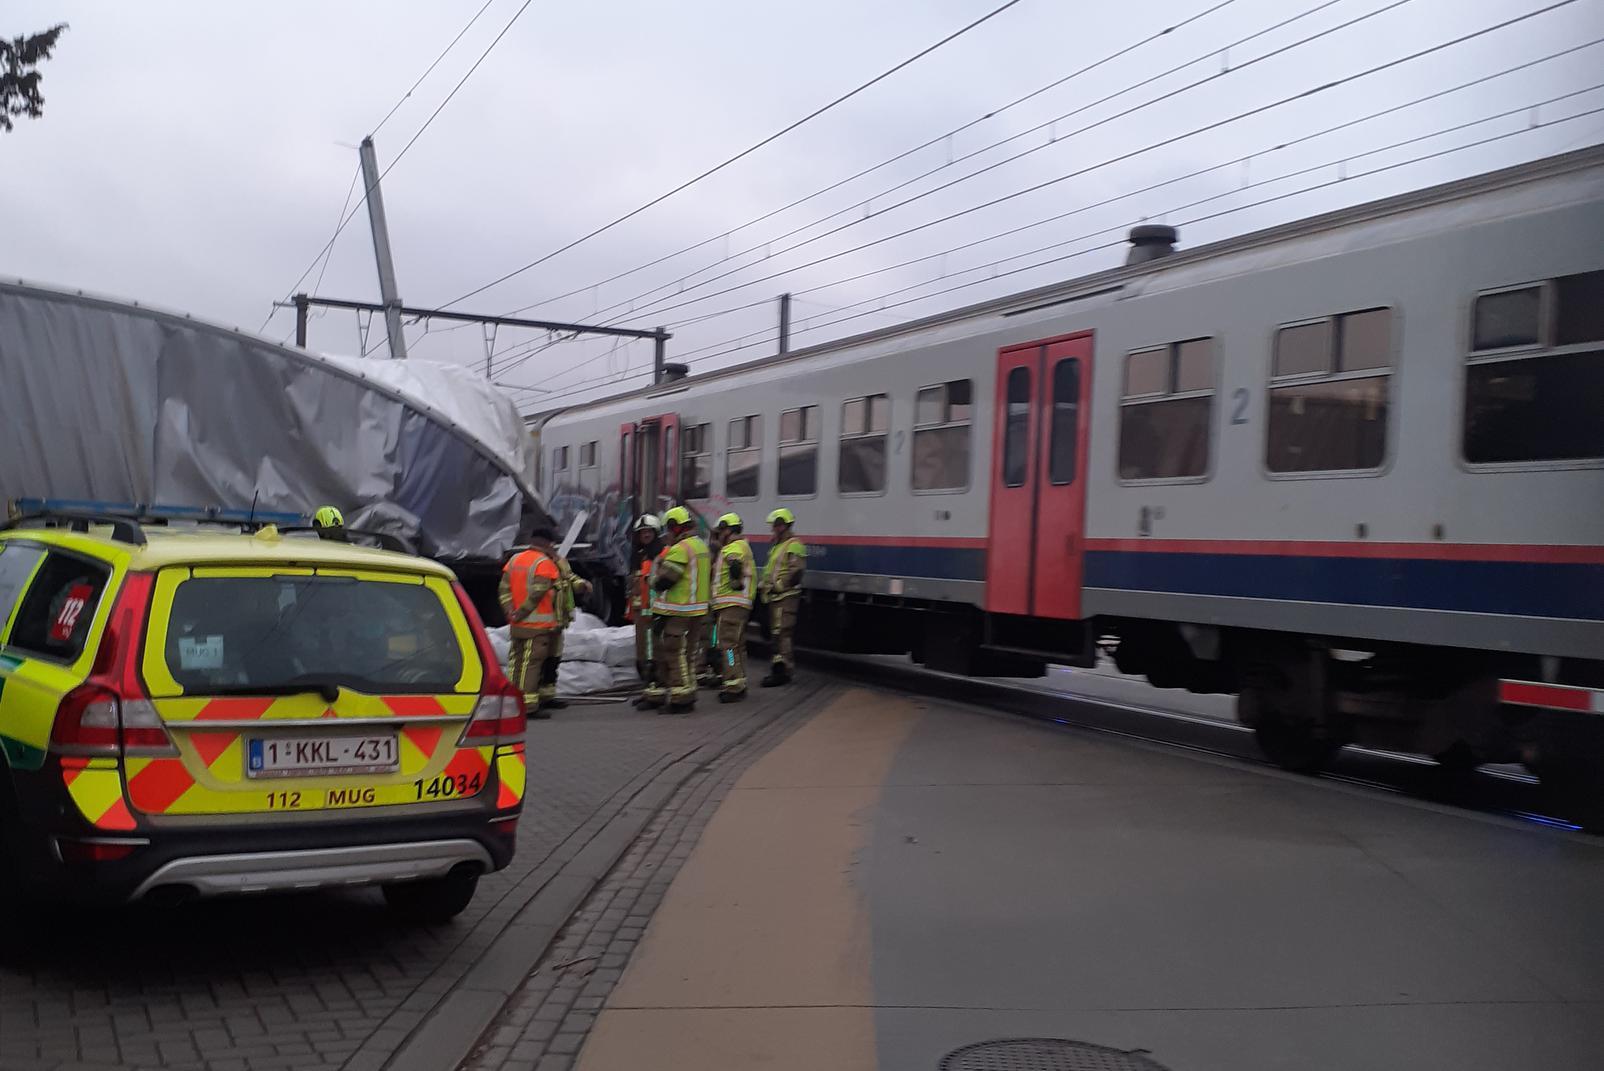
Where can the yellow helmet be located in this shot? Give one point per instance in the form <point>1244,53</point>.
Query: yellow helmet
<point>677,515</point>
<point>328,517</point>
<point>730,520</point>
<point>782,516</point>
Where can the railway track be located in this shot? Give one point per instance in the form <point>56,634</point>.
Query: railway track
<point>1505,791</point>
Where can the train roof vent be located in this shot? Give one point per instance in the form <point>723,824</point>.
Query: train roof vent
<point>1151,241</point>
<point>672,372</point>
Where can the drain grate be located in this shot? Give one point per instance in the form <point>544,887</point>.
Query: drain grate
<point>1045,1054</point>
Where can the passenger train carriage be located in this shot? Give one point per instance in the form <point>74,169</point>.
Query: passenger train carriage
<point>1350,468</point>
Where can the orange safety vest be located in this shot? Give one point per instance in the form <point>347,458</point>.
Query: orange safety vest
<point>521,572</point>
<point>641,603</point>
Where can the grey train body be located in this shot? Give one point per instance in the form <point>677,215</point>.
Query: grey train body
<point>1347,468</point>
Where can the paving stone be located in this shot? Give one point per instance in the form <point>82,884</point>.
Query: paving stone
<point>330,977</point>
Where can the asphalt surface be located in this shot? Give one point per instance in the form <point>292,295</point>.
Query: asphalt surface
<point>315,981</point>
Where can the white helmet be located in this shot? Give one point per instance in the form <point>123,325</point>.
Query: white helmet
<point>650,522</point>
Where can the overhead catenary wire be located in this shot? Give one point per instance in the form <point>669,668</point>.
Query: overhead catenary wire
<point>1120,158</point>
<point>404,149</point>
<point>1213,215</point>
<point>679,283</point>
<point>938,139</point>
<point>1279,146</point>
<point>430,69</point>
<point>993,13</point>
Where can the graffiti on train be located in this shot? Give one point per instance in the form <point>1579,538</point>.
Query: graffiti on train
<point>611,520</point>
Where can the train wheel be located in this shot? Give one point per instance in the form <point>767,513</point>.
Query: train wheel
<point>1570,764</point>
<point>1294,746</point>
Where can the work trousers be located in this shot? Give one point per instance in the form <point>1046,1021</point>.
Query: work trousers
<point>782,625</point>
<point>533,660</point>
<point>732,648</point>
<point>674,677</point>
<point>643,646</point>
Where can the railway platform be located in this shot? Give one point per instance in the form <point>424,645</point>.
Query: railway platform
<point>892,879</point>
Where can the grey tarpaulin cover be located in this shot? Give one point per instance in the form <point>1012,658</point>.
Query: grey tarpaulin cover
<point>104,400</point>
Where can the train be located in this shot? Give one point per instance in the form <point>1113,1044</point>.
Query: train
<point>1349,469</point>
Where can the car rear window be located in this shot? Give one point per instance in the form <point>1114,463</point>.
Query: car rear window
<point>236,634</point>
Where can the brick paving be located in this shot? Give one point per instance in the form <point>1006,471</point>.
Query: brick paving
<point>545,1023</point>
<point>315,981</point>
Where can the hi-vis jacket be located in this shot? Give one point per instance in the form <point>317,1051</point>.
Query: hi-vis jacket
<point>686,567</point>
<point>782,572</point>
<point>736,576</point>
<point>529,595</point>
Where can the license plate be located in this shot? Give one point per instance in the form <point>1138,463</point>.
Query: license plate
<point>311,756</point>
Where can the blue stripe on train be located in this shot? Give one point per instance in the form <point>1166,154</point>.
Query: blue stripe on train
<point>937,563</point>
<point>1528,589</point>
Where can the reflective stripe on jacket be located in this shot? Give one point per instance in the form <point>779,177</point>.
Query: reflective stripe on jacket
<point>529,592</point>
<point>726,591</point>
<point>640,593</point>
<point>782,571</point>
<point>686,562</point>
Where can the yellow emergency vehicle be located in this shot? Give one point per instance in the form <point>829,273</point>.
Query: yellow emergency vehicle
<point>189,712</point>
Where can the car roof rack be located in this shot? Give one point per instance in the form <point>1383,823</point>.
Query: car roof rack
<point>384,540</point>
<point>123,529</point>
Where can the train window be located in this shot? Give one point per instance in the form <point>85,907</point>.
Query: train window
<point>1165,415</point>
<point>799,451</point>
<point>1580,316</point>
<point>742,457</point>
<point>1303,349</point>
<point>1333,417</point>
<point>1063,440</point>
<point>559,462</point>
<point>941,433</point>
<point>1542,404</point>
<point>861,468</point>
<point>1016,429</point>
<point>1508,318</point>
<point>587,455</point>
<point>696,461</point>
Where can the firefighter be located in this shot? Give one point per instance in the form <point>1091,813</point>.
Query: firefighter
<point>733,582</point>
<point>570,589</point>
<point>781,588</point>
<point>679,586</point>
<point>648,543</point>
<point>330,524</point>
<point>708,660</point>
<point>529,599</point>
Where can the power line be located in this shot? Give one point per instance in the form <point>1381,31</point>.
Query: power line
<point>1303,95</point>
<point>426,124</point>
<point>1224,212</point>
<point>430,69</point>
<point>771,336</point>
<point>1051,123</point>
<point>740,155</point>
<point>1280,146</point>
<point>1391,109</point>
<point>893,159</point>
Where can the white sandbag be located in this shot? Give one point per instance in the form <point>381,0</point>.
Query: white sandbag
<point>580,678</point>
<point>500,642</point>
<point>618,645</point>
<point>584,622</point>
<point>624,676</point>
<point>583,645</point>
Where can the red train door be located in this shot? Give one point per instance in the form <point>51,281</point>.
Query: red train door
<point>1038,478</point>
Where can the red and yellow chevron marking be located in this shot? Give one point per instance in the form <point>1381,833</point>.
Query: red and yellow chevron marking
<point>97,791</point>
<point>351,705</point>
<point>511,773</point>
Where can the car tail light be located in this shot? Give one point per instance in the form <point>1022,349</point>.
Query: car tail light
<point>498,717</point>
<point>97,850</point>
<point>110,714</point>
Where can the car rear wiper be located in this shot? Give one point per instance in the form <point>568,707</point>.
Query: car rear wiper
<point>325,689</point>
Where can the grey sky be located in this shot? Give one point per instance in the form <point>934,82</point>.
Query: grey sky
<point>190,155</point>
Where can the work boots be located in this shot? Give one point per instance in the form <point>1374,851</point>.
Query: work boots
<point>778,675</point>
